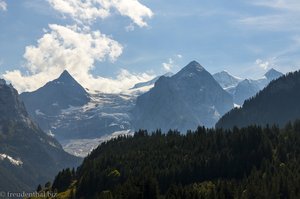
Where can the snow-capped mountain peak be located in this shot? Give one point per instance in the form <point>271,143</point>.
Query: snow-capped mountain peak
<point>273,74</point>
<point>226,80</point>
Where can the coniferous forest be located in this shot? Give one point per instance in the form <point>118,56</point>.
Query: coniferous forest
<point>251,162</point>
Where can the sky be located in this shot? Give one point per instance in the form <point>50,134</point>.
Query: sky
<point>109,45</point>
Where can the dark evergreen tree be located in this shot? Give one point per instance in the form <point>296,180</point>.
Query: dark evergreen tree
<point>63,180</point>
<point>39,188</point>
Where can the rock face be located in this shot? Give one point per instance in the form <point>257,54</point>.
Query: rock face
<point>189,98</point>
<point>11,107</point>
<point>27,155</point>
<point>277,104</point>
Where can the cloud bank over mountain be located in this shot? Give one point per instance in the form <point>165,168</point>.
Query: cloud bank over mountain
<point>78,47</point>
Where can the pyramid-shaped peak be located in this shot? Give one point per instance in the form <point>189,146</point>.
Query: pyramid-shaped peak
<point>65,76</point>
<point>194,64</point>
<point>273,74</point>
<point>192,67</point>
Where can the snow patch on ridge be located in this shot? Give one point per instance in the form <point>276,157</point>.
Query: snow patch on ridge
<point>16,162</point>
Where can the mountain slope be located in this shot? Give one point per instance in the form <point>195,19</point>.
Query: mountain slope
<point>273,74</point>
<point>248,88</point>
<point>187,99</point>
<point>226,80</point>
<point>245,89</point>
<point>76,118</point>
<point>27,155</point>
<point>58,94</point>
<point>277,104</point>
<point>45,104</point>
<point>151,82</point>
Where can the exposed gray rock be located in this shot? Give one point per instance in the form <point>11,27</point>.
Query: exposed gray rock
<point>189,98</point>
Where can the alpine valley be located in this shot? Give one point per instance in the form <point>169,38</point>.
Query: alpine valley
<point>252,153</point>
<point>81,119</point>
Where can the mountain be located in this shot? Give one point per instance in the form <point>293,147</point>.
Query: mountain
<point>61,93</point>
<point>45,104</point>
<point>226,80</point>
<point>248,88</point>
<point>189,98</point>
<point>273,74</point>
<point>151,82</point>
<point>245,89</point>
<point>27,155</point>
<point>277,104</point>
<point>64,109</point>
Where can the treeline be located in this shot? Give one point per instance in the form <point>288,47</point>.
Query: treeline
<point>250,162</point>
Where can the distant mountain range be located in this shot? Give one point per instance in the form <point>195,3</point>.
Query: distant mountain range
<point>277,104</point>
<point>81,120</point>
<point>189,98</point>
<point>243,89</point>
<point>27,155</point>
<point>192,97</point>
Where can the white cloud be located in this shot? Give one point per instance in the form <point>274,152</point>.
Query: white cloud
<point>289,5</point>
<point>62,48</point>
<point>70,46</point>
<point>124,81</point>
<point>262,64</point>
<point>90,10</point>
<point>121,83</point>
<point>172,62</point>
<point>266,64</point>
<point>129,28</point>
<point>3,5</point>
<point>168,65</point>
<point>274,22</point>
<point>281,16</point>
<point>77,48</point>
